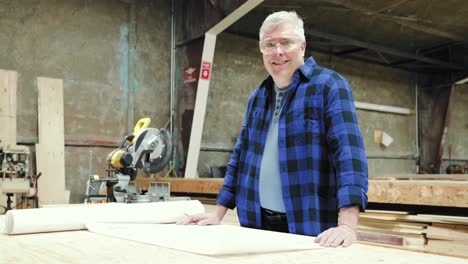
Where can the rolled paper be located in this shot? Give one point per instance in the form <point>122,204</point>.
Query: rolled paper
<point>67,218</point>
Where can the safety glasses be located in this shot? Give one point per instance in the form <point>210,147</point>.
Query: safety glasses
<point>285,44</point>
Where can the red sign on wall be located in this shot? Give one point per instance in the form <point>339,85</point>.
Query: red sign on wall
<point>190,74</point>
<point>205,70</point>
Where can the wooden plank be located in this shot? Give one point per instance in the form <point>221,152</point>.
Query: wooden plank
<point>380,238</point>
<point>462,177</point>
<point>390,229</point>
<point>50,112</point>
<point>8,91</point>
<point>86,247</point>
<point>51,185</point>
<point>437,193</point>
<point>385,212</point>
<point>452,248</point>
<point>460,220</point>
<point>50,152</point>
<point>416,226</point>
<point>383,215</point>
<point>448,232</point>
<point>180,185</point>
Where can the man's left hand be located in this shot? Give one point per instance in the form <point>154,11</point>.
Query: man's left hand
<point>342,235</point>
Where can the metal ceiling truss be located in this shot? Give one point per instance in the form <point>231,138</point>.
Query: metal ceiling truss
<point>382,55</point>
<point>372,53</point>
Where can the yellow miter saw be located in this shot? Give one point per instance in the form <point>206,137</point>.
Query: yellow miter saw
<point>147,148</point>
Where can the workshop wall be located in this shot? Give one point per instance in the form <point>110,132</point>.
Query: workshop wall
<point>457,130</point>
<point>238,69</point>
<point>114,58</point>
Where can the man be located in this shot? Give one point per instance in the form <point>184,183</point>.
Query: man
<point>299,164</point>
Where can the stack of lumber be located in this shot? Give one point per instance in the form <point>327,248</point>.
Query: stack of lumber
<point>391,228</point>
<point>447,235</point>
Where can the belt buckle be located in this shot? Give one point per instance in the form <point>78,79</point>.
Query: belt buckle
<point>270,212</point>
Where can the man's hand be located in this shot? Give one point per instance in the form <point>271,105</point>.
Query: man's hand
<point>336,236</point>
<point>199,219</point>
<point>346,232</point>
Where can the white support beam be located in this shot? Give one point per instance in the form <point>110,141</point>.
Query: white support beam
<point>383,108</point>
<point>206,68</point>
<point>234,16</point>
<point>463,81</point>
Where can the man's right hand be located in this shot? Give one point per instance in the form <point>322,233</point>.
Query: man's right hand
<point>199,219</point>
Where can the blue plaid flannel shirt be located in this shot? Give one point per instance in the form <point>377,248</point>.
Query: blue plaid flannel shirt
<point>323,165</point>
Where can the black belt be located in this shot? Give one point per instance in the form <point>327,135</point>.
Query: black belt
<point>269,212</point>
<point>274,221</point>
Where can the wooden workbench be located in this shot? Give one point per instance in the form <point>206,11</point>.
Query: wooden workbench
<point>403,189</point>
<point>87,247</point>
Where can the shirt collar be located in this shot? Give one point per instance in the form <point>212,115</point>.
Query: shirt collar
<point>306,70</point>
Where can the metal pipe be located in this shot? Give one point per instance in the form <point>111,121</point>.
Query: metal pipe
<point>185,42</point>
<point>416,150</point>
<point>216,149</point>
<point>369,156</point>
<point>456,159</point>
<point>88,143</point>
<point>171,125</point>
<point>392,156</point>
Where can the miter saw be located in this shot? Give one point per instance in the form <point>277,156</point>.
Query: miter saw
<point>147,148</point>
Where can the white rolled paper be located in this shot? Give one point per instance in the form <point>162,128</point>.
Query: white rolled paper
<point>68,218</point>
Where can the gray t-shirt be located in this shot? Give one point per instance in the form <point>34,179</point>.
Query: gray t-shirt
<point>271,194</point>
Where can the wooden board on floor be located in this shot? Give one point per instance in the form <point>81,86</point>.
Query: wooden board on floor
<point>8,91</point>
<point>51,148</point>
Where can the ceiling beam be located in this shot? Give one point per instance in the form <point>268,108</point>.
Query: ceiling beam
<point>383,49</point>
<point>415,24</point>
<point>349,51</point>
<point>317,48</point>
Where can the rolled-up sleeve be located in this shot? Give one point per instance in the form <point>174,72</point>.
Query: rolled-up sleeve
<point>345,143</point>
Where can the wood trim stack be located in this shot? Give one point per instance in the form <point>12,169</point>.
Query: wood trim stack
<point>439,234</point>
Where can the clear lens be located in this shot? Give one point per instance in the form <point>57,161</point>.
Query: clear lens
<point>286,44</point>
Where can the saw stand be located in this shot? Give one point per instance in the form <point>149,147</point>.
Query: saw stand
<point>9,202</point>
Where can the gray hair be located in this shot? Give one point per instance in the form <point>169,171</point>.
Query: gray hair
<point>281,17</point>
